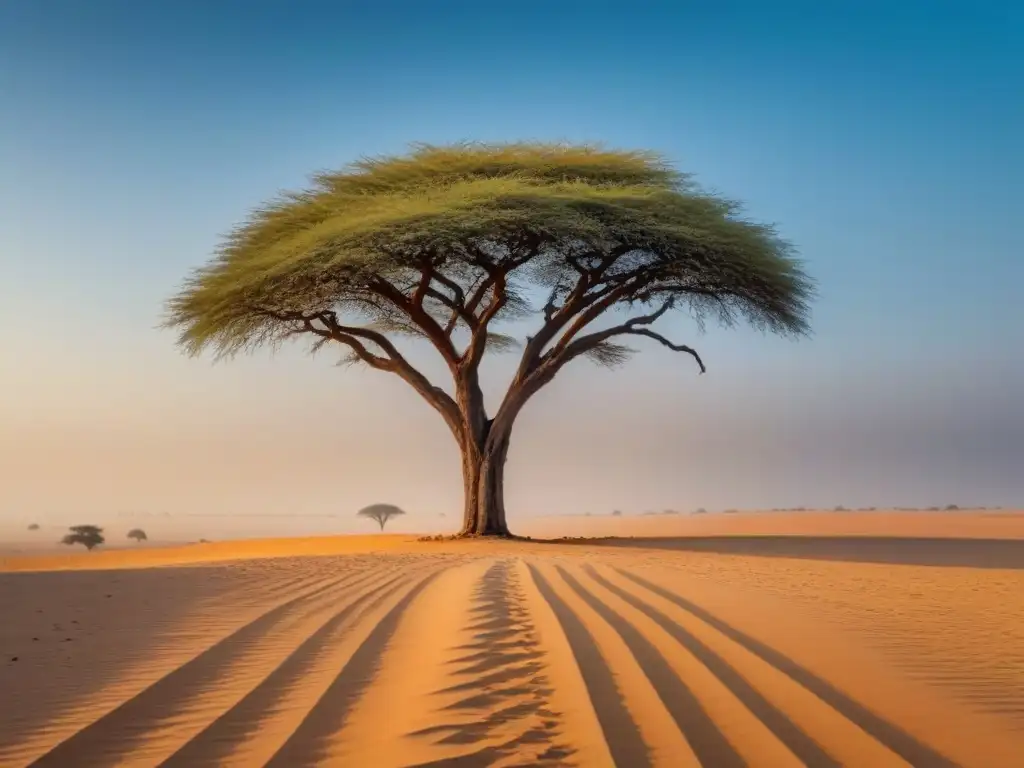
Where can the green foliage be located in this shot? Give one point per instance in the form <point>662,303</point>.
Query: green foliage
<point>89,536</point>
<point>459,211</point>
<point>380,513</point>
<point>609,354</point>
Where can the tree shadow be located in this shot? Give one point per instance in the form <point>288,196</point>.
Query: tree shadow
<point>73,633</point>
<point>939,552</point>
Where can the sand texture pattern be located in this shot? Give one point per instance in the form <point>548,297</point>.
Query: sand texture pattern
<point>514,654</point>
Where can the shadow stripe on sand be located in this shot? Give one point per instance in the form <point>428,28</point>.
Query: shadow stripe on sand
<point>707,741</point>
<point>798,742</point>
<point>114,735</point>
<point>916,753</point>
<point>233,727</point>
<point>308,744</point>
<point>621,733</point>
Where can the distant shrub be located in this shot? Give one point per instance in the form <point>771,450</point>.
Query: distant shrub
<point>839,508</point>
<point>89,536</point>
<point>730,511</point>
<point>700,511</point>
<point>138,534</point>
<point>34,527</point>
<point>951,507</point>
<point>617,513</point>
<point>670,512</point>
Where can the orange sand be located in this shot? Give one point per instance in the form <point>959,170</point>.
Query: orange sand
<point>388,652</point>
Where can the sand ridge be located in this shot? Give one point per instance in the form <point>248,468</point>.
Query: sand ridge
<point>483,655</point>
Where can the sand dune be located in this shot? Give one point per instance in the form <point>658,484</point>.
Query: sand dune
<point>480,654</point>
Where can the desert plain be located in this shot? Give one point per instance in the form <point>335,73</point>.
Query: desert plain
<point>869,639</point>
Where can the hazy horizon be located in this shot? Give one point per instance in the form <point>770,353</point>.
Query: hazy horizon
<point>883,142</point>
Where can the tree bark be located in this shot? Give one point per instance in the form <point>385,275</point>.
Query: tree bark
<point>483,475</point>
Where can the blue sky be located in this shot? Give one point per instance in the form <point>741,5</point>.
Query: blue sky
<point>884,140</point>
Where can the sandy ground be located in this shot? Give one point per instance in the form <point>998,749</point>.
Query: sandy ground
<point>384,651</point>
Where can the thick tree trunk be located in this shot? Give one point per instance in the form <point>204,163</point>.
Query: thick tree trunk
<point>483,475</point>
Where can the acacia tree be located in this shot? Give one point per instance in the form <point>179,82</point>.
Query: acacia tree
<point>89,536</point>
<point>381,513</point>
<point>446,242</point>
<point>138,534</point>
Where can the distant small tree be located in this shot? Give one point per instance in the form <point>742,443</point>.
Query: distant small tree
<point>670,512</point>
<point>617,513</point>
<point>88,536</point>
<point>839,508</point>
<point>700,511</point>
<point>380,513</point>
<point>34,527</point>
<point>138,534</point>
<point>952,507</point>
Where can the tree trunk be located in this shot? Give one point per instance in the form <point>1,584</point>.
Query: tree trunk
<point>483,475</point>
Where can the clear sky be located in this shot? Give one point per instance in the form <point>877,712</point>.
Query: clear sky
<point>885,139</point>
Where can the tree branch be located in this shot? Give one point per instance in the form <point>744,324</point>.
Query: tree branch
<point>456,303</point>
<point>597,309</point>
<point>567,349</point>
<point>353,337</point>
<point>415,311</point>
<point>497,283</point>
<point>478,343</point>
<point>664,342</point>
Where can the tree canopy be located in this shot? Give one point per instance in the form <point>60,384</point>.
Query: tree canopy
<point>138,534</point>
<point>446,242</point>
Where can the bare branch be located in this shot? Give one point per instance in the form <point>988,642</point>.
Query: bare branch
<point>565,350</point>
<point>478,344</point>
<point>424,284</point>
<point>551,305</point>
<point>456,303</point>
<point>497,282</point>
<point>431,328</point>
<point>665,342</point>
<point>353,337</point>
